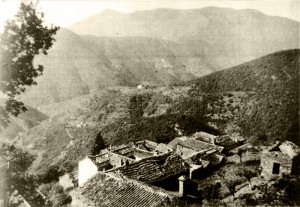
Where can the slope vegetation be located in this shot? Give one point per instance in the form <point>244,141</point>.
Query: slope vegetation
<point>265,92</point>
<point>20,124</point>
<point>258,99</point>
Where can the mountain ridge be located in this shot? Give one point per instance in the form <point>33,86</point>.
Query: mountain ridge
<point>162,47</point>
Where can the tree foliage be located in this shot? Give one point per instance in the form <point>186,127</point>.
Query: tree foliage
<point>98,145</point>
<point>23,38</point>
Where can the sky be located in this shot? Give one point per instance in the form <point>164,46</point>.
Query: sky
<point>66,12</point>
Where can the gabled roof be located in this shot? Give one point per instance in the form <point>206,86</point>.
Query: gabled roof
<point>154,169</point>
<point>194,144</point>
<point>290,149</point>
<point>287,148</point>
<point>105,190</point>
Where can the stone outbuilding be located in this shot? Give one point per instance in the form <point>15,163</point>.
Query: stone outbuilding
<point>281,159</point>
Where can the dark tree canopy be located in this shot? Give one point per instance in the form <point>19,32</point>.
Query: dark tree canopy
<point>23,38</point>
<point>98,145</point>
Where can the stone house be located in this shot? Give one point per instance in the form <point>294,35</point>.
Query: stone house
<point>205,137</point>
<point>281,159</point>
<point>188,146</point>
<point>86,170</point>
<point>104,189</point>
<point>154,169</point>
<point>229,142</point>
<point>136,184</point>
<point>115,157</point>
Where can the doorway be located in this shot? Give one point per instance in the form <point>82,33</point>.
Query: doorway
<point>276,168</point>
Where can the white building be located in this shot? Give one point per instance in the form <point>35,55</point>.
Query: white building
<point>86,170</point>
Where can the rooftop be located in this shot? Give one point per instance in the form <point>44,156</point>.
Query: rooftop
<point>107,190</point>
<point>287,148</point>
<point>290,149</point>
<point>194,144</point>
<point>154,169</point>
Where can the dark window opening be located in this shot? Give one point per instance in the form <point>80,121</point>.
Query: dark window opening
<point>276,167</point>
<point>161,162</point>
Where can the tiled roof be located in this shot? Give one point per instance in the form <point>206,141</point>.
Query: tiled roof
<point>154,169</point>
<point>193,143</point>
<point>290,149</point>
<point>106,190</point>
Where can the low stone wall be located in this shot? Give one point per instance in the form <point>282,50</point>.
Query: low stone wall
<point>184,151</point>
<point>119,160</point>
<point>141,154</point>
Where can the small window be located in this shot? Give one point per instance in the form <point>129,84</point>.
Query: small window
<point>276,168</point>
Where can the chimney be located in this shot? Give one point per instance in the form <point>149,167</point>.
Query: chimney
<point>182,185</point>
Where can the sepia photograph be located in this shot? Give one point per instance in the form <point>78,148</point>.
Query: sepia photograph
<point>149,103</point>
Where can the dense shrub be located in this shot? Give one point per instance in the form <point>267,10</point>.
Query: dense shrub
<point>159,129</point>
<point>269,106</point>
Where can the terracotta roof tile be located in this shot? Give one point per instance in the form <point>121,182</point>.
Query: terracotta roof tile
<point>154,169</point>
<point>106,190</point>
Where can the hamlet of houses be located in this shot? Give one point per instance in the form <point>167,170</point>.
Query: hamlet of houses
<point>146,173</point>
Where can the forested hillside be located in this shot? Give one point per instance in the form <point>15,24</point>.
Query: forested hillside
<point>270,106</point>
<point>262,112</point>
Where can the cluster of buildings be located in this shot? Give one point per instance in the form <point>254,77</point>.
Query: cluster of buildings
<point>146,173</point>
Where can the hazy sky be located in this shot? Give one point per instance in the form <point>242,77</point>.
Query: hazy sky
<point>67,12</point>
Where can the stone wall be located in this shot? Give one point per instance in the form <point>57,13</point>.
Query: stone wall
<point>86,170</point>
<point>104,165</point>
<point>184,151</point>
<point>141,154</point>
<point>117,160</point>
<point>150,144</point>
<point>162,148</point>
<point>124,151</point>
